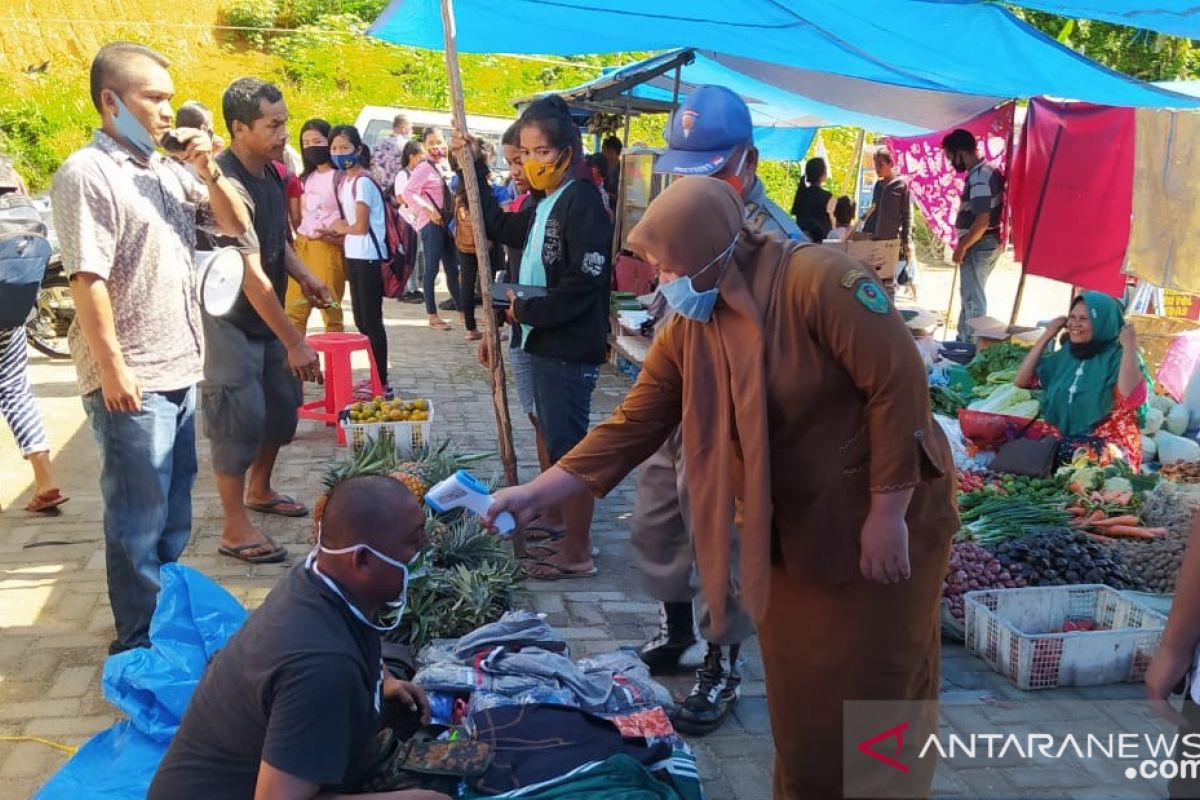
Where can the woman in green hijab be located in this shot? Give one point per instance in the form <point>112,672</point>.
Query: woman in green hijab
<point>1093,384</point>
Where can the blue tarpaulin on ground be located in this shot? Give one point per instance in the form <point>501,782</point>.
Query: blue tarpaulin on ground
<point>864,52</point>
<point>1176,17</point>
<point>194,618</point>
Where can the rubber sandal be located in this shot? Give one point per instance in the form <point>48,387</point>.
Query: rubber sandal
<point>439,325</point>
<point>473,336</point>
<point>540,533</point>
<point>46,502</point>
<point>558,571</point>
<point>272,507</point>
<point>273,557</point>
<point>546,548</point>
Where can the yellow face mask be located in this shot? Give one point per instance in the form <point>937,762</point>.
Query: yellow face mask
<point>545,176</point>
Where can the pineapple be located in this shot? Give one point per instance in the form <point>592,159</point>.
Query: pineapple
<point>414,482</point>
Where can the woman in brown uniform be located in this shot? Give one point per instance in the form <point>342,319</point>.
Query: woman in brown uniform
<point>805,412</point>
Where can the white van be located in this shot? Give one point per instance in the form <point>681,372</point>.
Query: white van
<point>375,122</point>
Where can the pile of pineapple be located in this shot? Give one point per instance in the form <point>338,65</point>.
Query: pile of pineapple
<point>383,409</point>
<point>472,575</point>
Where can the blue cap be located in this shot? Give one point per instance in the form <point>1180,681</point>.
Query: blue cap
<point>710,125</point>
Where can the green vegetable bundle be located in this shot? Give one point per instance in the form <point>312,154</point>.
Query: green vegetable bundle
<point>997,358</point>
<point>996,518</point>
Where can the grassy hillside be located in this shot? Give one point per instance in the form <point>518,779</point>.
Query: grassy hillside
<point>324,65</point>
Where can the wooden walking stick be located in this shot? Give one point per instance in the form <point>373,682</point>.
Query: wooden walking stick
<point>466,161</point>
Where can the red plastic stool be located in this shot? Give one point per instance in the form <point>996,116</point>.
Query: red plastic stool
<point>339,378</point>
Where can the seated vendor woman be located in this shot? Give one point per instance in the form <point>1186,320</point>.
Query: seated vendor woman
<point>1093,385</point>
<point>288,709</point>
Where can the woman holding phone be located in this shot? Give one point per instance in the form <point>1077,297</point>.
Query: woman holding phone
<point>564,238</point>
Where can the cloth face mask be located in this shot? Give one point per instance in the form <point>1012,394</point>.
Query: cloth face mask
<point>681,293</point>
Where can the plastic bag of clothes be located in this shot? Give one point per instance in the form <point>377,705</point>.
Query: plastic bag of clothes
<point>193,619</point>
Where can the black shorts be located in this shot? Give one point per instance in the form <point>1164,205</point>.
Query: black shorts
<point>249,397</point>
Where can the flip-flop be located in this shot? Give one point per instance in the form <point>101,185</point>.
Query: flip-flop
<point>273,557</point>
<point>546,548</point>
<point>560,573</point>
<point>46,502</point>
<point>439,325</point>
<point>540,533</point>
<point>272,507</point>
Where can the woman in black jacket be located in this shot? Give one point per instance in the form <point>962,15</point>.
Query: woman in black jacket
<point>565,240</point>
<point>813,206</point>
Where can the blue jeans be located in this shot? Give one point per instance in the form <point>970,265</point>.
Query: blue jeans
<point>147,470</point>
<point>977,265</point>
<point>438,247</point>
<point>563,398</point>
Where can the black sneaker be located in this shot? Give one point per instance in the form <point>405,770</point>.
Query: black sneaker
<point>676,633</point>
<point>413,297</point>
<point>717,689</point>
<point>448,305</point>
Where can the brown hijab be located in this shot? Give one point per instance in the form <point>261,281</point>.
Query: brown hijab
<point>724,380</point>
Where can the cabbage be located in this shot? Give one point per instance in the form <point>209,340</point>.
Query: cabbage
<point>1172,448</point>
<point>1117,484</point>
<point>1177,420</point>
<point>1154,421</point>
<point>1028,409</point>
<point>1162,403</point>
<point>1149,449</point>
<point>1003,398</point>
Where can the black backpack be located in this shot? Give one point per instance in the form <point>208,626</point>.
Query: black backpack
<point>24,253</point>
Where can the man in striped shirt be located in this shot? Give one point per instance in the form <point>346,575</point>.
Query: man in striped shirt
<point>978,225</point>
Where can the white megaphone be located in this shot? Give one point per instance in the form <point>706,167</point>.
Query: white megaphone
<point>220,279</point>
<point>464,490</point>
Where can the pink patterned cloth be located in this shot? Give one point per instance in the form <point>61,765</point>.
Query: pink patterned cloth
<point>935,185</point>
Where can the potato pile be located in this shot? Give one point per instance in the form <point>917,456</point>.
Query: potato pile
<point>1171,505</point>
<point>1181,472</point>
<point>972,568</point>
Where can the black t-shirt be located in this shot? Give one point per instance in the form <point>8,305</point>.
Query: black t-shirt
<point>298,686</point>
<point>264,197</point>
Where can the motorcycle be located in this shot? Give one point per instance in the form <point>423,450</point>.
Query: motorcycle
<point>51,317</point>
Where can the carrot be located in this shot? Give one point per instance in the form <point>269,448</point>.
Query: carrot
<point>1126,519</point>
<point>1129,532</point>
<point>1098,537</point>
<point>1097,517</point>
<point>1076,511</point>
<point>1077,488</point>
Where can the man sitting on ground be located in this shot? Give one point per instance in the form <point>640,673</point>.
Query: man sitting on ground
<point>289,707</point>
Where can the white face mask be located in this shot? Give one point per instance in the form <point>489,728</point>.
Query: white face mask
<point>389,620</point>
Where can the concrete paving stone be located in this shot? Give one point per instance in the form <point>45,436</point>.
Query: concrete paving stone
<point>585,613</point>
<point>74,682</point>
<point>1060,776</point>
<point>29,759</point>
<point>582,634</point>
<point>630,607</point>
<point>56,727</point>
<point>741,747</point>
<point>947,784</point>
<point>592,597</point>
<point>39,709</point>
<point>749,780</point>
<point>752,713</point>
<point>986,782</point>
<point>548,604</point>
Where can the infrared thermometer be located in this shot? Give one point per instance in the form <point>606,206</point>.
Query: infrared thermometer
<point>464,490</point>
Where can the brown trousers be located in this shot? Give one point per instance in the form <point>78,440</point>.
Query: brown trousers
<point>823,645</point>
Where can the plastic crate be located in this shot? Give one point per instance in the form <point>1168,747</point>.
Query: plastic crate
<point>1018,632</point>
<point>409,436</point>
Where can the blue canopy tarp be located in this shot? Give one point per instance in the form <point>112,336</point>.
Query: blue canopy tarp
<point>784,123</point>
<point>944,49</point>
<point>1177,17</point>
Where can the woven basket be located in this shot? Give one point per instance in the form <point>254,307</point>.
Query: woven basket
<point>1155,334</point>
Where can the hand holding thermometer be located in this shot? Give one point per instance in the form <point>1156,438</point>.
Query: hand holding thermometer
<point>464,490</point>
